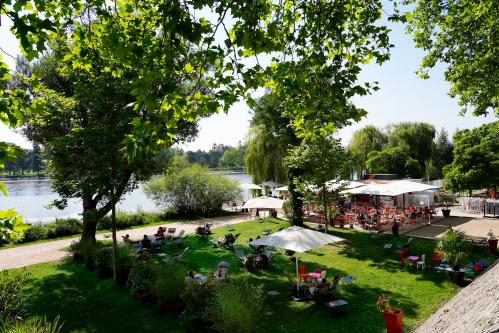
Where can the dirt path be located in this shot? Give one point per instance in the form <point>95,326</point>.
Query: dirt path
<point>50,251</point>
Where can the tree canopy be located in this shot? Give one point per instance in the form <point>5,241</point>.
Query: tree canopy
<point>476,159</point>
<point>464,36</point>
<point>365,140</point>
<point>393,160</point>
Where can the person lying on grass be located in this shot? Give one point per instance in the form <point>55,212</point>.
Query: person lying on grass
<point>262,259</point>
<point>190,277</point>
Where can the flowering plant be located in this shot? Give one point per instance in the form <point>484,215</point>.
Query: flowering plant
<point>491,235</point>
<point>383,304</point>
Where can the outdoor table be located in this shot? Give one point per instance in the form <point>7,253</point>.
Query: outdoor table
<point>319,229</point>
<point>336,303</point>
<point>220,240</point>
<point>414,259</point>
<point>313,276</point>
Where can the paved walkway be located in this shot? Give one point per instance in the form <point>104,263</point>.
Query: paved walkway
<point>50,251</point>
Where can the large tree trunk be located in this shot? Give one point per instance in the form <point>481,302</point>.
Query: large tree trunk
<point>296,202</point>
<point>90,220</point>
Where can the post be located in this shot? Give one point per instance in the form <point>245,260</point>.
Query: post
<point>113,222</point>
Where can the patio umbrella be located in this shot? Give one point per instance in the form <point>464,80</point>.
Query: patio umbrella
<point>272,184</point>
<point>282,188</point>
<point>264,202</point>
<point>378,189</point>
<point>297,239</point>
<point>249,186</point>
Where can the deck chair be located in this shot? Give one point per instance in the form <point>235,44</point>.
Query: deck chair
<point>236,236</point>
<point>239,252</point>
<point>389,231</point>
<point>180,241</point>
<point>323,288</point>
<point>404,248</point>
<point>289,253</point>
<point>225,265</point>
<point>227,241</point>
<point>170,233</point>
<point>377,235</point>
<point>293,283</point>
<point>176,256</point>
<point>249,262</point>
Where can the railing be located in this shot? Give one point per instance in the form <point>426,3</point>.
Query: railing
<point>472,205</point>
<point>439,183</point>
<point>418,200</point>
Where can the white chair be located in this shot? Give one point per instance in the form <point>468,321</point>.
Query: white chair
<point>422,262</point>
<point>323,275</point>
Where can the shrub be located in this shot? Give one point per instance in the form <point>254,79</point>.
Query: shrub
<point>103,260</point>
<point>13,304</point>
<point>237,307</point>
<point>170,281</point>
<point>123,265</point>
<point>36,232</point>
<point>76,249</point>
<point>142,277</point>
<point>67,227</point>
<point>199,298</point>
<point>192,190</point>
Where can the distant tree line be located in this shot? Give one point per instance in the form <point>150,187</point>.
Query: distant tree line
<point>219,156</point>
<point>30,161</point>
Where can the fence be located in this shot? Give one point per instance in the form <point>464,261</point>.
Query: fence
<point>471,205</point>
<point>418,200</point>
<point>439,183</point>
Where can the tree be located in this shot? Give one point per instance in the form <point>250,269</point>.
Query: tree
<point>233,158</point>
<point>417,136</point>
<point>393,160</point>
<point>464,36</point>
<point>442,154</point>
<point>36,159</point>
<point>322,160</point>
<point>83,132</point>
<point>264,158</point>
<point>364,141</point>
<point>476,159</point>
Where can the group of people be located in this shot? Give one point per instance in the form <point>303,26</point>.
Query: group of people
<point>146,242</point>
<point>218,275</point>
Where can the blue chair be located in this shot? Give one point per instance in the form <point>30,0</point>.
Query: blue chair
<point>482,263</point>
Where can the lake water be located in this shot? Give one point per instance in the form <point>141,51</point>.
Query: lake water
<point>29,198</point>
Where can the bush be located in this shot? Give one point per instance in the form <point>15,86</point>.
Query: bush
<point>103,260</point>
<point>192,190</point>
<point>36,232</point>
<point>65,227</point>
<point>199,298</point>
<point>170,281</point>
<point>13,304</point>
<point>238,307</point>
<point>142,277</point>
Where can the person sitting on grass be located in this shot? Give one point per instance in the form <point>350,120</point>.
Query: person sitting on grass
<point>220,274</point>
<point>190,277</point>
<point>262,259</point>
<point>207,229</point>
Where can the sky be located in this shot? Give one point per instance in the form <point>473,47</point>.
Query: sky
<point>402,97</point>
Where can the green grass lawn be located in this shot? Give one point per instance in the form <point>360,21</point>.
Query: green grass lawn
<point>88,304</point>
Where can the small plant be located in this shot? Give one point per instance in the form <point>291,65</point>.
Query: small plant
<point>491,235</point>
<point>454,247</point>
<point>446,199</point>
<point>76,249</point>
<point>13,303</point>
<point>383,304</point>
<point>36,325</point>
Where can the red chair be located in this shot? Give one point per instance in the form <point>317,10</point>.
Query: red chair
<point>302,273</point>
<point>436,256</point>
<point>403,263</point>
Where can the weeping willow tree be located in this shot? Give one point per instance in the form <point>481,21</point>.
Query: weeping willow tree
<point>365,140</point>
<point>264,158</point>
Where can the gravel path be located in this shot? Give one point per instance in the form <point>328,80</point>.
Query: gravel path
<point>50,251</point>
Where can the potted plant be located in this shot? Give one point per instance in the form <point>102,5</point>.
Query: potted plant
<point>446,200</point>
<point>492,242</point>
<point>454,247</point>
<point>393,317</point>
<point>170,285</point>
<point>333,215</point>
<point>142,279</point>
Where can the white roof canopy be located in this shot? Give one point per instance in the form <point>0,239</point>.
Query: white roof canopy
<point>282,188</point>
<point>378,189</point>
<point>272,184</point>
<point>412,186</point>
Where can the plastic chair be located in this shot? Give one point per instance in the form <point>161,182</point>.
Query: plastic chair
<point>422,262</point>
<point>403,261</point>
<point>478,267</point>
<point>302,273</point>
<point>323,275</point>
<point>436,256</point>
